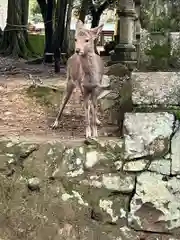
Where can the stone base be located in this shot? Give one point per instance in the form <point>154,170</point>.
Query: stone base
<point>123,54</point>
<point>129,64</point>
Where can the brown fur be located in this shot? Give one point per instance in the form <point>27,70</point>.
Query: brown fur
<point>85,69</point>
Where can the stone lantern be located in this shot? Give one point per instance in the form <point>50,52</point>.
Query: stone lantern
<point>138,29</point>
<point>124,49</point>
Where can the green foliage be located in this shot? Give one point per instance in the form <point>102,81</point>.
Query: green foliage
<point>161,15</point>
<point>37,43</point>
<point>159,51</point>
<point>177,114</point>
<point>34,10</point>
<point>37,18</point>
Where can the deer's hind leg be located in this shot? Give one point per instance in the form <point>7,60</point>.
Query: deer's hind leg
<point>68,92</point>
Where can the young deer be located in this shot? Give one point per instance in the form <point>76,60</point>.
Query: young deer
<point>85,70</point>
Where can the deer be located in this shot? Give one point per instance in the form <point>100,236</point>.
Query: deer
<point>85,70</point>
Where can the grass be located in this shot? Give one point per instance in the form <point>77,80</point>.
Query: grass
<point>37,43</point>
<point>45,95</point>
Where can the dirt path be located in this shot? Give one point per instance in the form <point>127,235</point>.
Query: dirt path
<point>23,115</point>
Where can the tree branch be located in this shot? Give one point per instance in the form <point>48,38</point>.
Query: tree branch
<point>105,5</point>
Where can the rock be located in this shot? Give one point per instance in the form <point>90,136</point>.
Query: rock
<point>175,146</point>
<point>76,195</point>
<point>135,166</point>
<point>156,203</point>
<point>17,150</point>
<point>117,99</point>
<point>105,81</point>
<point>147,134</point>
<point>99,156</point>
<point>111,210</point>
<point>118,165</point>
<point>160,237</point>
<point>34,184</point>
<point>3,162</point>
<point>162,166</point>
<point>156,88</point>
<point>41,163</point>
<point>119,183</point>
<point>73,160</point>
<point>107,102</point>
<point>81,192</point>
<point>91,158</point>
<point>118,70</point>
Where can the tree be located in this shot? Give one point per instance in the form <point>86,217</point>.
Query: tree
<point>160,15</point>
<point>97,8</point>
<point>15,37</point>
<point>83,10</point>
<point>58,35</point>
<point>47,9</point>
<point>66,41</point>
<point>94,8</point>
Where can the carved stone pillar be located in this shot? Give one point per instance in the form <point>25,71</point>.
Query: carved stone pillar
<point>138,30</point>
<point>125,47</point>
<point>117,29</point>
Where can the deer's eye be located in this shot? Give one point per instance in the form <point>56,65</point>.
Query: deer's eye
<point>75,40</point>
<point>87,40</point>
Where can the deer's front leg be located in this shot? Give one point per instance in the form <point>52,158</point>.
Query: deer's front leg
<point>68,92</point>
<point>94,116</point>
<point>87,107</point>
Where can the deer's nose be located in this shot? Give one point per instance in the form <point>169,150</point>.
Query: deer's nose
<point>77,50</point>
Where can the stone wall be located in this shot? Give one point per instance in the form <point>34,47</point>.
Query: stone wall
<point>126,188</point>
<point>113,189</point>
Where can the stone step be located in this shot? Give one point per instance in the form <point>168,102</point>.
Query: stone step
<point>156,88</point>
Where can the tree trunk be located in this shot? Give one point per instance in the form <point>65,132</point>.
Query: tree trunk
<point>48,51</point>
<point>47,8</point>
<point>43,7</point>
<point>59,32</point>
<point>66,41</point>
<point>83,10</point>
<point>96,15</point>
<point>15,37</point>
<point>1,33</point>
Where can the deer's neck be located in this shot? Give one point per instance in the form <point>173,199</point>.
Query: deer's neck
<point>88,63</point>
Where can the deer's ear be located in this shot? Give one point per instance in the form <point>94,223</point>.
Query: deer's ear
<point>79,24</point>
<point>97,30</point>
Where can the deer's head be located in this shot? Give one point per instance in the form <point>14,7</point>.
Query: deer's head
<point>84,38</point>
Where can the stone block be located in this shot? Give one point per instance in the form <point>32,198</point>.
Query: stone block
<point>156,203</point>
<point>162,166</point>
<point>156,88</point>
<point>147,134</point>
<point>175,150</point>
<point>136,166</point>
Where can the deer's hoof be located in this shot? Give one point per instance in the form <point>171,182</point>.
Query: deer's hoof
<point>55,125</point>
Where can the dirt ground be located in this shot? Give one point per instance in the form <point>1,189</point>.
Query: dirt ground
<point>22,115</point>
